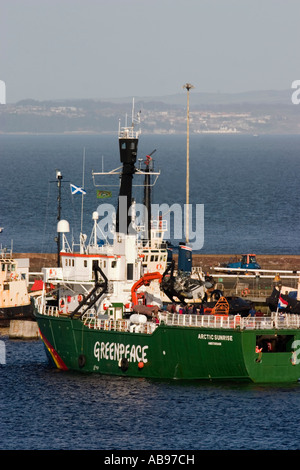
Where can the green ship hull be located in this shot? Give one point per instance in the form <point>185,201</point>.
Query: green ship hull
<point>265,355</point>
<point>108,313</point>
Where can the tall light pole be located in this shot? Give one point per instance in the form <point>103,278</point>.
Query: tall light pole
<point>188,87</point>
<point>58,178</point>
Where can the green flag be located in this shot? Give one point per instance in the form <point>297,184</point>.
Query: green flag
<point>101,194</point>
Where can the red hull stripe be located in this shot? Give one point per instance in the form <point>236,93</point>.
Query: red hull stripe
<point>56,358</point>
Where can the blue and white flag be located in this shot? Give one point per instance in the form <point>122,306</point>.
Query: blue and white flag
<point>77,189</point>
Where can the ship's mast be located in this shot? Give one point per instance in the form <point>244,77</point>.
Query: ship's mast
<point>147,193</point>
<point>58,178</point>
<point>128,146</point>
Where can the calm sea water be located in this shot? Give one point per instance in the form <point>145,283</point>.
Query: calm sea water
<point>249,186</point>
<point>43,408</point>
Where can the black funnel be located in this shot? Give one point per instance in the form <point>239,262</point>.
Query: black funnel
<point>128,154</point>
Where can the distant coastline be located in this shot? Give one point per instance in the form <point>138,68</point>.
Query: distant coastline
<point>265,112</point>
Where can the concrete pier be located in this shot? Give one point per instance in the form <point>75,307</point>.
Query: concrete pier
<point>23,329</point>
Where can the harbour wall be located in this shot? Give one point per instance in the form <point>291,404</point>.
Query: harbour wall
<point>205,261</point>
<point>22,329</point>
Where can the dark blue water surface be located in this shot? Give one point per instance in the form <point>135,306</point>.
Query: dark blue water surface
<point>43,408</point>
<point>249,187</point>
<point>250,190</point>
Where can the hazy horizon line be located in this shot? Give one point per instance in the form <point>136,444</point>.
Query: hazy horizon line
<point>154,97</point>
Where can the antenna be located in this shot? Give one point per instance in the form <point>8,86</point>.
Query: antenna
<point>58,178</point>
<point>82,196</point>
<point>59,182</point>
<point>127,132</point>
<point>132,113</point>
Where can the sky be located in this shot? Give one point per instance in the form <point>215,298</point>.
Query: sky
<point>100,49</point>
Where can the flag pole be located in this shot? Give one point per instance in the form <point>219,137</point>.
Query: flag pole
<point>83,166</point>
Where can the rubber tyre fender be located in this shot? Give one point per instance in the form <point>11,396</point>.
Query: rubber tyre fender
<point>124,364</point>
<point>81,361</point>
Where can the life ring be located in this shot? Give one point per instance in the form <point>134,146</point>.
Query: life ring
<point>81,361</point>
<point>245,292</point>
<point>80,298</point>
<point>159,266</point>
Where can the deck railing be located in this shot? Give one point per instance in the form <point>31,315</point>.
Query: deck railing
<point>276,320</point>
<point>202,321</point>
<point>119,325</point>
<point>50,310</point>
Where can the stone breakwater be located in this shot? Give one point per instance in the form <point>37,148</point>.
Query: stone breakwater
<point>205,261</point>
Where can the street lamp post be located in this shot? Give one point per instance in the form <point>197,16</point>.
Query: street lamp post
<point>59,181</point>
<point>188,87</point>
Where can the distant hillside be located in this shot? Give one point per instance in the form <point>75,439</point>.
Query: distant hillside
<point>263,112</point>
<point>272,97</point>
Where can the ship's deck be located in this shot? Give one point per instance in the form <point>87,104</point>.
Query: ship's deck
<point>274,321</point>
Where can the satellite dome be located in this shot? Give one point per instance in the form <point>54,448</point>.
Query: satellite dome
<point>63,226</point>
